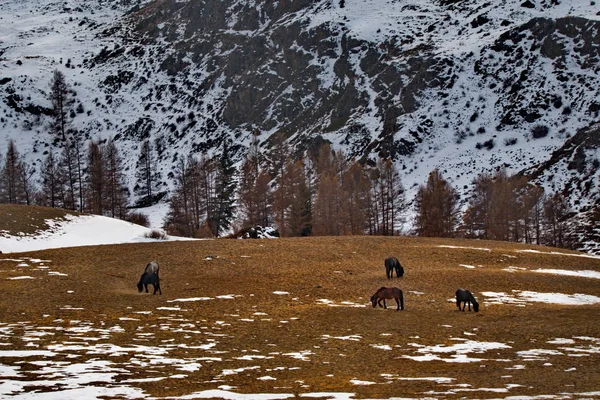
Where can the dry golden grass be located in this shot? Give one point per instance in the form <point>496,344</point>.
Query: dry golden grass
<point>101,282</point>
<point>16,219</point>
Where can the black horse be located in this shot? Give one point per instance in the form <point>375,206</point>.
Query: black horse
<point>466,297</point>
<point>392,264</point>
<point>388,293</point>
<point>149,279</point>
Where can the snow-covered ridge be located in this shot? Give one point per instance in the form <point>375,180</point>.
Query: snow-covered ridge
<point>73,231</point>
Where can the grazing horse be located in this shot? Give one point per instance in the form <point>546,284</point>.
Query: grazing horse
<point>392,264</point>
<point>149,279</point>
<point>388,293</point>
<point>152,268</point>
<point>466,297</point>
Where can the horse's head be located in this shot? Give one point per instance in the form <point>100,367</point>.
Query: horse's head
<point>140,284</point>
<point>374,300</point>
<point>475,306</point>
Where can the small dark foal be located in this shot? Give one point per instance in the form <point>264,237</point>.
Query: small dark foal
<point>466,297</point>
<point>392,264</point>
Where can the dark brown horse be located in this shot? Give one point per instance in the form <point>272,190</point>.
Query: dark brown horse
<point>392,264</point>
<point>384,294</point>
<point>149,279</point>
<point>466,297</point>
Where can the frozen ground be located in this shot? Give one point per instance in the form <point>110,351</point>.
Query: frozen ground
<point>83,359</point>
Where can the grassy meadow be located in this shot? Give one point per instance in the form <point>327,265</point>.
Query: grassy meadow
<point>292,317</point>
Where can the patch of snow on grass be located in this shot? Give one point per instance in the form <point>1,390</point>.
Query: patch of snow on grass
<point>190,299</point>
<point>580,273</point>
<point>386,347</point>
<point>514,269</point>
<point>464,247</point>
<point>558,253</point>
<point>522,297</point>
<point>460,350</point>
<point>361,383</point>
<point>538,354</point>
<point>354,338</point>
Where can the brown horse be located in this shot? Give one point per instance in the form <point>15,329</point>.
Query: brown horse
<point>388,293</point>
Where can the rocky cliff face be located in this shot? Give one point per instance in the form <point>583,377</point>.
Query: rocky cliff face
<point>268,66</point>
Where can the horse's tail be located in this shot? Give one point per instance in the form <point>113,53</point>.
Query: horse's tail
<point>401,297</point>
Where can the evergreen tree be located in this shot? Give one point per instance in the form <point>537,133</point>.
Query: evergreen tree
<point>281,195</point>
<point>204,196</point>
<point>194,203</point>
<point>59,95</point>
<point>79,173</point>
<point>391,192</point>
<point>15,178</point>
<point>71,166</point>
<point>386,198</point>
<point>476,218</point>
<point>2,183</point>
<point>300,210</point>
<point>555,212</point>
<point>529,200</point>
<point>254,192</point>
<point>327,207</point>
<point>179,220</point>
<point>225,193</point>
<point>115,192</point>
<point>95,179</point>
<point>146,173</point>
<point>437,207</point>
<point>53,185</point>
<point>355,186</point>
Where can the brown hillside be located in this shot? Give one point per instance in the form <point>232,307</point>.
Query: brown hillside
<point>15,218</point>
<point>292,316</point>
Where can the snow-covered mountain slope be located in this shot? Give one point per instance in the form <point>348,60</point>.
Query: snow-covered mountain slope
<point>465,86</point>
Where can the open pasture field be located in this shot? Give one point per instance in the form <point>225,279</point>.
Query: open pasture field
<point>291,318</point>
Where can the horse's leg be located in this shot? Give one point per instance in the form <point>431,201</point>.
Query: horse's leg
<point>397,303</point>
<point>469,303</point>
<point>146,286</point>
<point>384,305</point>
